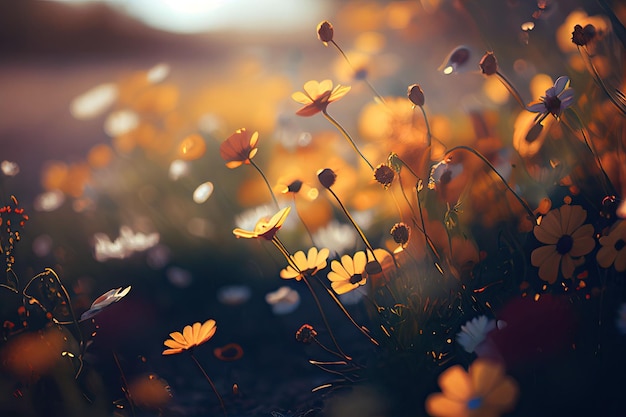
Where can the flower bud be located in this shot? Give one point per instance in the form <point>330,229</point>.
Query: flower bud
<point>488,64</point>
<point>583,35</point>
<point>326,177</point>
<point>416,95</point>
<point>325,32</point>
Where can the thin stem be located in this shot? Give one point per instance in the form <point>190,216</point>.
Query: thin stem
<point>347,136</point>
<point>125,382</point>
<point>266,182</point>
<point>219,397</point>
<point>356,226</point>
<point>292,263</point>
<point>330,332</point>
<point>302,220</point>
<point>504,182</point>
<point>511,88</point>
<point>606,182</point>
<point>378,96</point>
<point>429,135</point>
<point>343,309</point>
<point>598,79</point>
<point>320,344</point>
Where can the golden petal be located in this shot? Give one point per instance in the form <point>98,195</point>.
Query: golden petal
<point>175,345</point>
<point>289,273</point>
<point>456,384</point>
<point>195,332</point>
<point>503,396</point>
<point>207,331</point>
<point>336,277</point>
<point>485,376</point>
<point>312,88</point>
<point>359,262</point>
<point>188,334</point>
<point>178,336</point>
<point>171,351</point>
<point>301,98</point>
<point>438,405</point>
<point>342,287</point>
<point>244,233</point>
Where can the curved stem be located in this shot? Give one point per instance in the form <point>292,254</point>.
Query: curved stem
<point>511,88</point>
<point>330,332</point>
<point>378,96</point>
<point>347,136</point>
<point>219,397</point>
<point>429,135</point>
<point>356,226</point>
<point>302,220</point>
<point>504,182</point>
<point>266,182</point>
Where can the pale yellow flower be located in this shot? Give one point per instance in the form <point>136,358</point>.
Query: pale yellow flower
<point>309,264</point>
<point>265,227</point>
<point>349,273</point>
<point>317,96</point>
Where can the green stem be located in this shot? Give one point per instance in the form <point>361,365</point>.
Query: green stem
<point>347,136</point>
<point>219,397</point>
<point>266,182</point>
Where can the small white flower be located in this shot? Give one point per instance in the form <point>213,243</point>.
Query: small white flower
<point>105,300</point>
<point>474,332</point>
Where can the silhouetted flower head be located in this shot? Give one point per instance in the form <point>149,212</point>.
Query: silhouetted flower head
<point>384,175</point>
<point>583,35</point>
<point>326,177</point>
<point>488,64</point>
<point>325,32</point>
<point>416,95</point>
<point>317,96</point>
<point>306,334</point>
<point>457,60</point>
<point>239,148</point>
<point>192,336</point>
<point>401,233</point>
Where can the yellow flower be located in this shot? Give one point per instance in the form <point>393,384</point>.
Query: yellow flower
<point>482,391</point>
<point>265,227</point>
<point>566,239</point>
<point>613,250</point>
<point>348,274</point>
<point>192,336</point>
<point>317,96</point>
<point>307,264</point>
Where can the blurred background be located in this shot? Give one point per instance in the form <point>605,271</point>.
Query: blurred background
<point>97,96</point>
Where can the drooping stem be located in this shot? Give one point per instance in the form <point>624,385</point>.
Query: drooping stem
<point>495,171</point>
<point>378,96</point>
<point>219,397</point>
<point>511,88</point>
<point>347,136</point>
<point>266,182</point>
<point>429,135</point>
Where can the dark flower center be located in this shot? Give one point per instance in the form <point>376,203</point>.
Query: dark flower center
<point>356,278</point>
<point>564,245</point>
<point>295,186</point>
<point>619,245</point>
<point>553,105</point>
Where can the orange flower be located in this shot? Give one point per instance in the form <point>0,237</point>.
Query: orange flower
<point>191,337</point>
<point>265,227</point>
<point>239,148</point>
<point>482,391</point>
<point>566,241</point>
<point>317,96</point>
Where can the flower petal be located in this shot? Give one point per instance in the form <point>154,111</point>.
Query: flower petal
<point>549,269</point>
<point>188,335</point>
<point>438,405</point>
<point>342,287</point>
<point>503,396</point>
<point>301,98</point>
<point>541,254</point>
<point>174,344</point>
<point>456,384</point>
<point>560,84</point>
<point>207,330</point>
<point>485,376</point>
<point>178,336</point>
<point>172,351</point>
